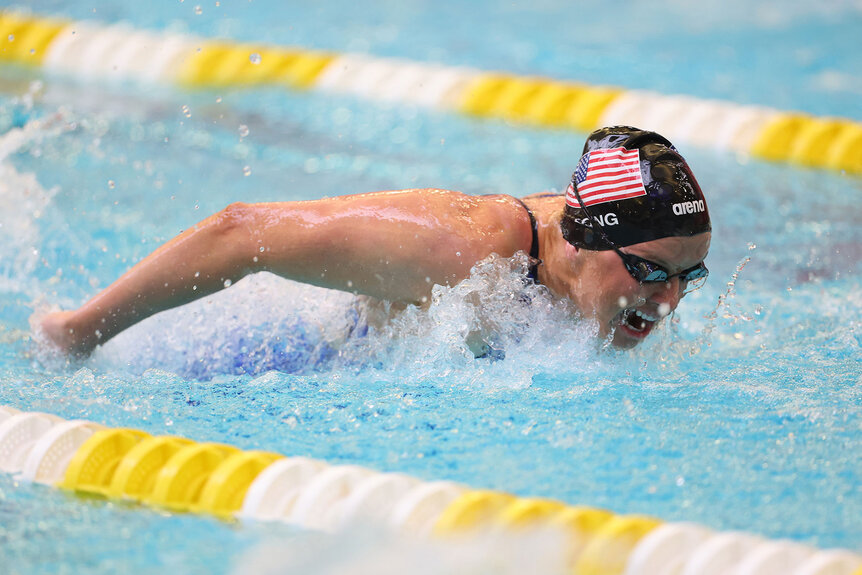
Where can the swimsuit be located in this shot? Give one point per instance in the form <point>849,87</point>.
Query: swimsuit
<point>532,273</point>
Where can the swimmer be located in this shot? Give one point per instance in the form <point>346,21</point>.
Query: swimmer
<point>624,244</point>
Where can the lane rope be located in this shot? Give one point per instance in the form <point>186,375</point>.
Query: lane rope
<point>117,52</point>
<point>180,475</point>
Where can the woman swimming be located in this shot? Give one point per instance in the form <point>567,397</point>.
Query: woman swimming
<point>624,244</point>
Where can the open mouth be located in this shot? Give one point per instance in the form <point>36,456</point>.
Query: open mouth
<point>637,323</point>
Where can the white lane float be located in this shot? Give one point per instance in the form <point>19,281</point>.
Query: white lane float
<point>18,434</point>
<point>319,504</point>
<point>50,456</point>
<point>272,494</point>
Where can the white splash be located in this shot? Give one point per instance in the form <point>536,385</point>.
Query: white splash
<point>22,203</point>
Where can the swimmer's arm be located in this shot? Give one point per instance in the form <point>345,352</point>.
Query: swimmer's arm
<point>389,245</point>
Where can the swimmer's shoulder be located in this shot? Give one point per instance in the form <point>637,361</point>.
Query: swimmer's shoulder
<point>544,195</point>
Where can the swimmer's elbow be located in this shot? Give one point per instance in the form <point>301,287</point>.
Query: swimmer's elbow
<point>235,214</point>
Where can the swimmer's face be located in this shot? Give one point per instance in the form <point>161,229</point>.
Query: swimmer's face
<point>624,308</point>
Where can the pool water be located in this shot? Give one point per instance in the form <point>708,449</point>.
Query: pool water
<point>743,412</point>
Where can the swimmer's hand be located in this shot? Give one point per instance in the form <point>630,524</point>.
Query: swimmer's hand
<point>57,328</point>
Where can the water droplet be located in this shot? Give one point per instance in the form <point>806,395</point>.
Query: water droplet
<point>261,248</point>
<point>32,51</point>
<point>246,171</point>
<point>111,184</point>
<point>663,309</point>
<point>254,58</point>
<point>227,283</point>
<point>254,259</point>
<point>187,112</point>
<point>11,37</point>
<point>198,10</point>
<point>623,302</point>
<point>218,100</point>
<point>197,274</point>
<point>243,131</point>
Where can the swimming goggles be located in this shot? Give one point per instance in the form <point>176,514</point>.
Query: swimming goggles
<point>645,271</point>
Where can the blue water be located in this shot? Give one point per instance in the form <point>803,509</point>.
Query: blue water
<point>788,55</point>
<point>742,413</point>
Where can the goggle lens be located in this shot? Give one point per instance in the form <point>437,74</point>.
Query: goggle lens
<point>645,271</point>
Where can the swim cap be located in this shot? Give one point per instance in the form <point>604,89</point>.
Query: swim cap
<point>631,186</point>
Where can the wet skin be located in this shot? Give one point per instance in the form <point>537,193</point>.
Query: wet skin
<point>391,246</point>
<point>623,306</point>
<point>599,285</point>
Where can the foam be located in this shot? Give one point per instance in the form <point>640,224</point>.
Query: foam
<point>22,203</point>
<point>264,322</point>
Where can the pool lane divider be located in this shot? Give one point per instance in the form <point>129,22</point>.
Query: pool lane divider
<point>92,51</point>
<point>182,475</point>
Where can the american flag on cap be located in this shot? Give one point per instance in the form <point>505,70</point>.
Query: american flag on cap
<point>607,176</point>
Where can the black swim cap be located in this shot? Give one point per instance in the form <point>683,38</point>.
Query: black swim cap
<point>631,186</point>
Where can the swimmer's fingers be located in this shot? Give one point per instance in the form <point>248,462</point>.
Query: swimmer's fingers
<point>55,330</point>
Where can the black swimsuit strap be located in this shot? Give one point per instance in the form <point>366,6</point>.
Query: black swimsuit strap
<point>532,273</point>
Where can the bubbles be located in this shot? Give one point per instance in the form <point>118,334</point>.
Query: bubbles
<point>262,323</point>
<point>246,171</point>
<point>243,132</point>
<point>187,112</point>
<point>23,201</point>
<point>111,184</point>
<point>254,58</point>
<point>517,327</point>
<point>198,10</point>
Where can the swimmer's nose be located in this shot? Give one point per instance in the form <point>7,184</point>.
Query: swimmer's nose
<point>669,293</point>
